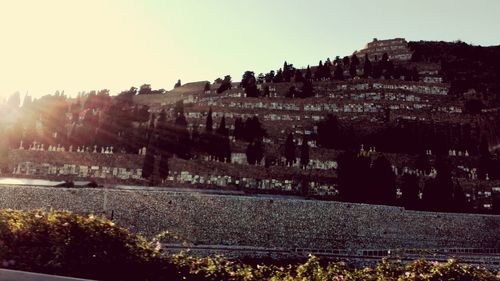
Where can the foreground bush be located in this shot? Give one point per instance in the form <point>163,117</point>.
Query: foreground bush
<point>419,270</point>
<point>66,244</point>
<point>91,247</point>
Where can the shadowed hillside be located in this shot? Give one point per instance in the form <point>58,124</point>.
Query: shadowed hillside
<point>465,66</point>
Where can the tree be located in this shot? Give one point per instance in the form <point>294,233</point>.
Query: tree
<point>279,76</point>
<point>298,76</point>
<point>307,89</point>
<point>304,153</point>
<point>4,152</point>
<point>247,79</point>
<point>384,179</point>
<point>410,190</point>
<point>255,152</point>
<point>261,78</point>
<point>338,74</point>
<point>239,129</point>
<point>269,77</point>
<point>438,192</point>
<point>287,72</point>
<point>248,82</point>
<point>178,84</point>
<point>179,108</point>
<point>308,75</point>
<point>145,89</point>
<point>250,153</point>
<point>195,134</point>
<point>327,69</point>
<point>151,127</point>
<point>225,84</point>
<point>253,129</point>
<point>210,122</point>
<point>148,164</point>
<point>163,167</point>
<point>367,68</point>
<point>346,61</point>
<point>459,199</point>
<point>266,91</point>
<point>329,132</point>
<point>225,151</point>
<point>290,150</point>
<point>126,97</point>
<point>423,164</point>
<point>180,120</point>
<point>292,92</point>
<point>386,67</point>
<point>385,57</point>
<point>162,142</point>
<point>207,87</point>
<point>320,73</point>
<point>259,151</point>
<point>141,113</point>
<point>485,161</point>
<point>473,106</point>
<point>353,66</point>
<point>222,130</point>
<point>354,177</point>
<point>377,71</point>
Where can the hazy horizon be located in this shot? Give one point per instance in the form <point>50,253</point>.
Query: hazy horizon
<point>92,45</point>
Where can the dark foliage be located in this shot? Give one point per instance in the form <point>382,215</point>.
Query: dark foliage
<point>465,66</point>
<point>290,150</point>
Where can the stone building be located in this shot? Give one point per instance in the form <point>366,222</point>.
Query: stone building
<point>396,48</point>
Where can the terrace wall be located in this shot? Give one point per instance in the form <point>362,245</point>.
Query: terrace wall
<point>268,222</point>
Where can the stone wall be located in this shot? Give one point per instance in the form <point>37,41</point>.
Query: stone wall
<point>58,165</point>
<point>268,222</point>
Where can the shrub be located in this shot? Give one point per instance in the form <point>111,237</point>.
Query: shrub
<point>92,247</point>
<point>66,244</point>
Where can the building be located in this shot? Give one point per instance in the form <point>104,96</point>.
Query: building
<point>396,48</point>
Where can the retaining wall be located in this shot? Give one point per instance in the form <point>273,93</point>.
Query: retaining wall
<point>207,219</point>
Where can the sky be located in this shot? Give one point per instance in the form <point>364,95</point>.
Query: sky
<point>88,45</point>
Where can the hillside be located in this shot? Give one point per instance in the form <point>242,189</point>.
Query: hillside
<point>464,66</point>
<point>287,130</point>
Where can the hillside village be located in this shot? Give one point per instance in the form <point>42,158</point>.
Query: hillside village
<point>379,117</point>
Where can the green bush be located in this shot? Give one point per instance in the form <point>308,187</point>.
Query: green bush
<point>66,244</point>
<point>92,247</point>
<point>419,270</point>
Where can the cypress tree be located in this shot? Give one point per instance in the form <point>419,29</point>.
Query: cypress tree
<point>279,76</point>
<point>222,127</point>
<point>319,74</point>
<point>163,166</point>
<point>308,75</point>
<point>210,122</point>
<point>338,74</point>
<point>353,66</point>
<point>410,190</point>
<point>239,129</point>
<point>148,164</point>
<point>384,179</point>
<point>304,153</point>
<point>367,68</point>
<point>290,150</point>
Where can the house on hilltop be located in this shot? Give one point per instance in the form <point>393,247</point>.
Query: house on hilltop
<point>396,48</point>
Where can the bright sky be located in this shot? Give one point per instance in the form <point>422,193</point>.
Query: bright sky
<point>115,44</point>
